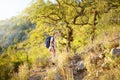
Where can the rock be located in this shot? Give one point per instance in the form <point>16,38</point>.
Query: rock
<point>58,77</point>
<point>115,52</point>
<point>80,65</point>
<point>34,78</point>
<point>74,71</point>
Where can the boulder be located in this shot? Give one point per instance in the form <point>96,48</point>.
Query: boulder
<point>58,77</point>
<point>80,65</point>
<point>115,52</point>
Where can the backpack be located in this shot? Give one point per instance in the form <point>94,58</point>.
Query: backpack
<point>48,41</point>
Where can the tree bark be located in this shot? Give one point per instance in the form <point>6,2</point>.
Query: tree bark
<point>93,27</point>
<point>69,38</point>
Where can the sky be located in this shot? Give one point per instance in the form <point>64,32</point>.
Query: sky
<point>9,8</point>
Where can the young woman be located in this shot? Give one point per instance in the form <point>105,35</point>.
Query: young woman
<point>52,47</point>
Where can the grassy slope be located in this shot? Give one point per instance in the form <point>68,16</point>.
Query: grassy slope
<point>32,55</point>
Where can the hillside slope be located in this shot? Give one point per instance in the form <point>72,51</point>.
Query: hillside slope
<point>14,30</point>
<point>88,32</point>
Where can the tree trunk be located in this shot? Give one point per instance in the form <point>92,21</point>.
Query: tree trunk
<point>93,27</point>
<point>69,38</point>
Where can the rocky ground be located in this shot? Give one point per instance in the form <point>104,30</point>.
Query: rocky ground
<point>77,65</point>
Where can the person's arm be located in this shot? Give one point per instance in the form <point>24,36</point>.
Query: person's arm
<point>51,43</point>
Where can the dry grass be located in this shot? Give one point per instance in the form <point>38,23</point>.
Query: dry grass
<point>51,74</point>
<point>61,69</point>
<point>62,59</point>
<point>109,37</point>
<point>112,74</point>
<point>23,73</point>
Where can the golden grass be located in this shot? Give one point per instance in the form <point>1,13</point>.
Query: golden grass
<point>63,60</point>
<point>23,73</point>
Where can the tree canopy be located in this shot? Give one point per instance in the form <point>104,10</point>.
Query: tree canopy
<point>70,16</point>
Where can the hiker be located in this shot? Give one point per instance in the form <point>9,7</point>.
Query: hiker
<point>52,47</point>
<point>50,41</point>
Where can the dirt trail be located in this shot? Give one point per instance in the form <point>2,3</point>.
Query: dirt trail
<point>40,73</point>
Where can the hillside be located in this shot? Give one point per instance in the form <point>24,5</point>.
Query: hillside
<point>13,30</point>
<point>87,44</point>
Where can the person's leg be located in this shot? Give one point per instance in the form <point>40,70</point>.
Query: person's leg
<point>53,53</point>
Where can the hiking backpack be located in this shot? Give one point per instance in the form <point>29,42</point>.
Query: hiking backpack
<point>48,41</point>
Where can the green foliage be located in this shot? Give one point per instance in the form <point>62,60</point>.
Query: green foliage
<point>67,16</point>
<point>14,30</point>
<point>76,20</point>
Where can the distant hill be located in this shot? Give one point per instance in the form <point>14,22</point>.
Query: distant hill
<point>14,30</point>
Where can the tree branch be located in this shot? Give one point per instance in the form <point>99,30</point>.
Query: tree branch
<point>49,23</point>
<point>52,18</point>
<point>82,24</point>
